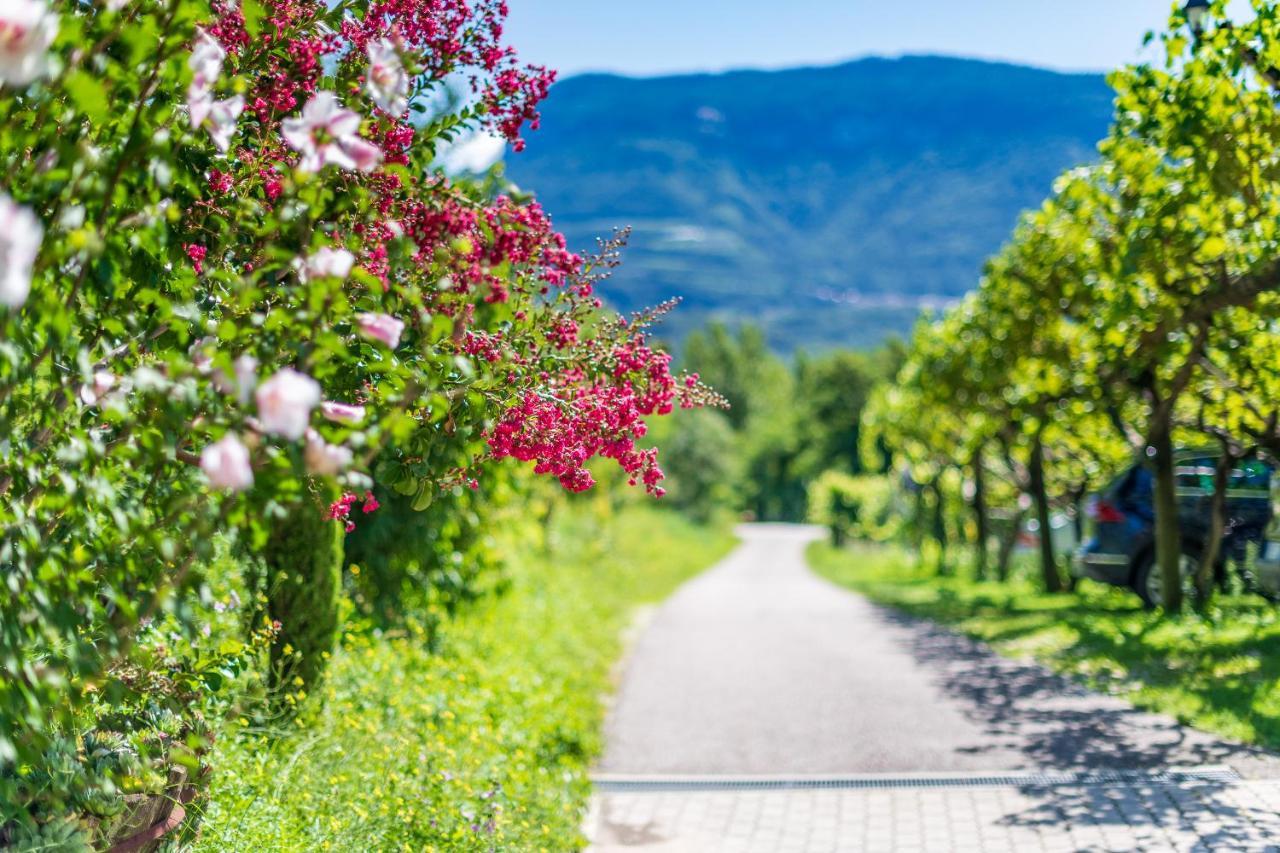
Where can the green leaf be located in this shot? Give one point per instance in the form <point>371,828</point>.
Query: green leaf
<point>89,95</point>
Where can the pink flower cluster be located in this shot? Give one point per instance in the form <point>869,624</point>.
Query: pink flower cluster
<point>561,436</point>
<point>457,37</point>
<point>340,510</point>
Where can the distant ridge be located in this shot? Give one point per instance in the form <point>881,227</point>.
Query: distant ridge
<point>828,203</point>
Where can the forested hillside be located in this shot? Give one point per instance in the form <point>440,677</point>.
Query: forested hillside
<point>827,204</point>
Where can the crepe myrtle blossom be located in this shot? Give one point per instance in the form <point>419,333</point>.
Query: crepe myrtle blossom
<point>285,402</point>
<point>226,464</point>
<point>27,28</point>
<point>326,262</point>
<point>325,459</point>
<point>327,133</point>
<point>342,413</point>
<point>387,83</point>
<point>381,327</point>
<point>20,235</point>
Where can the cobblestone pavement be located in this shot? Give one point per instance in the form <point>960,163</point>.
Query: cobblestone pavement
<point>1159,816</point>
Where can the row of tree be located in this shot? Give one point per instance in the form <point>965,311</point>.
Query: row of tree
<point>787,424</point>
<point>1136,310</point>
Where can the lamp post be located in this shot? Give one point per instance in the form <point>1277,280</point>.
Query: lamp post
<point>1196,12</point>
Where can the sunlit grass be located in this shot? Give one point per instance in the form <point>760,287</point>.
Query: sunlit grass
<point>1219,672</point>
<point>484,745</point>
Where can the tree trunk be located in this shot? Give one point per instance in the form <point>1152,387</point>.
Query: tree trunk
<point>1168,536</point>
<point>1217,526</point>
<point>1010,540</point>
<point>980,514</point>
<point>940,524</point>
<point>1039,494</point>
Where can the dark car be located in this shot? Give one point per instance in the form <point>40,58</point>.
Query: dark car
<point>1122,550</point>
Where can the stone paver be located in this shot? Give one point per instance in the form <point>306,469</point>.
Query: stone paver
<point>760,667</point>
<point>1168,816</point>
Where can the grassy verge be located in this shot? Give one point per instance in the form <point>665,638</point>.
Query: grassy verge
<point>484,745</point>
<point>1219,672</point>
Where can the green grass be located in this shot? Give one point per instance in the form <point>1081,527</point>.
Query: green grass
<point>1219,672</point>
<point>483,745</point>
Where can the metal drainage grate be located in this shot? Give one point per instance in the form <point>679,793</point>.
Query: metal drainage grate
<point>616,784</point>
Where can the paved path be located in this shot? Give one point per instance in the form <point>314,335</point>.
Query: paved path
<point>760,667</point>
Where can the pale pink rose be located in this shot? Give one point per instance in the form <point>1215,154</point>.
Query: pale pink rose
<point>285,402</point>
<point>221,120</point>
<point>323,458</point>
<point>246,376</point>
<point>343,413</point>
<point>205,62</point>
<point>20,236</point>
<point>328,134</point>
<point>326,262</point>
<point>386,81</point>
<point>381,327</point>
<point>92,392</point>
<point>226,464</point>
<point>27,28</point>
<point>201,353</point>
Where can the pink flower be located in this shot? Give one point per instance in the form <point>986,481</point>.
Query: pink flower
<point>326,262</point>
<point>342,413</point>
<point>27,28</point>
<point>382,327</point>
<point>205,62</point>
<point>20,236</point>
<point>92,392</point>
<point>226,464</point>
<point>246,368</point>
<point>325,459</point>
<point>386,81</point>
<point>285,402</point>
<point>327,133</point>
<point>218,117</point>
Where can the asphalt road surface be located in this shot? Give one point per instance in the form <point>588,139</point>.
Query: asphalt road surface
<point>759,666</point>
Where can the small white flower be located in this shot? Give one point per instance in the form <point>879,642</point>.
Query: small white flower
<point>285,402</point>
<point>20,235</point>
<point>27,28</point>
<point>226,464</point>
<point>326,262</point>
<point>323,458</point>
<point>386,81</point>
<point>328,134</point>
<point>382,327</point>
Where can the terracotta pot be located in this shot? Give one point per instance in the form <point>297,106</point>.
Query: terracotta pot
<point>153,816</point>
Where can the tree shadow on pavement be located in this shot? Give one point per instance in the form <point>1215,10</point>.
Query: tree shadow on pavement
<point>1055,722</point>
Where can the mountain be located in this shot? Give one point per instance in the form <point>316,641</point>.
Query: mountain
<point>829,204</point>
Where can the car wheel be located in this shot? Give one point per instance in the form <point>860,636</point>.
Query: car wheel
<point>1147,582</point>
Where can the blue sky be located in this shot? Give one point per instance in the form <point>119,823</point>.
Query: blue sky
<point>662,36</point>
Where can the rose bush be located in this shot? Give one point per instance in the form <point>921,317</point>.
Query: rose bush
<point>228,264</point>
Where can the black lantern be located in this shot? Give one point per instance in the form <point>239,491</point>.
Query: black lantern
<point>1196,11</point>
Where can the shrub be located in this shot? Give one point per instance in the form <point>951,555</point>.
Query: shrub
<point>300,580</point>
<point>229,267</point>
<point>853,507</point>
